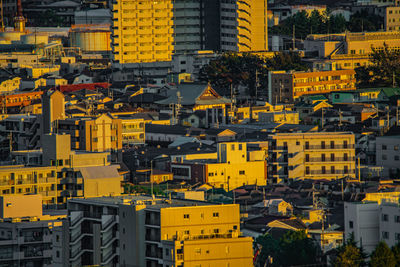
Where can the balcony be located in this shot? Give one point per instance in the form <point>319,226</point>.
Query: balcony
<point>328,147</point>
<point>330,160</point>
<point>329,172</point>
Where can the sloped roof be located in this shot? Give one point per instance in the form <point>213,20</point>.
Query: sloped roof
<point>189,94</point>
<point>100,172</point>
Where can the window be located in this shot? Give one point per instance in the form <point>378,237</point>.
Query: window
<point>384,147</point>
<point>240,146</point>
<point>216,214</point>
<point>396,158</point>
<point>241,172</point>
<point>385,217</point>
<point>297,143</point>
<point>186,232</point>
<point>351,224</point>
<point>397,219</point>
<point>385,235</point>
<point>166,252</point>
<point>197,250</point>
<point>58,254</point>
<point>233,147</point>
<point>307,170</point>
<point>216,231</point>
<point>397,236</point>
<point>186,216</point>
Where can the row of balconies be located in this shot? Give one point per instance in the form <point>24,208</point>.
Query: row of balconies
<point>330,172</point>
<point>316,147</point>
<point>330,159</point>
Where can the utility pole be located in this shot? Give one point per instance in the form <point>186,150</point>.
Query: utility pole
<point>394,81</point>
<point>359,170</point>
<point>151,178</point>
<point>322,117</point>
<point>294,38</point>
<point>256,85</point>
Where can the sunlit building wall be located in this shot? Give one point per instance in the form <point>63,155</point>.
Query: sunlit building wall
<point>142,31</point>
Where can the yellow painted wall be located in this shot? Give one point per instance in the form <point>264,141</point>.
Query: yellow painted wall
<point>143,31</point>
<point>203,220</point>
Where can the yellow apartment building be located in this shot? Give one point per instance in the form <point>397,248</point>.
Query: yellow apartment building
<point>8,85</point>
<point>325,155</point>
<point>62,174</point>
<point>142,31</point>
<point>393,197</point>
<point>133,131</point>
<point>252,26</point>
<point>351,50</point>
<point>26,233</point>
<point>287,87</point>
<point>95,134</point>
<point>392,18</point>
<point>233,169</point>
<point>149,231</point>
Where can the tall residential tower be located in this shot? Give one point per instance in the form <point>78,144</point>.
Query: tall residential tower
<point>152,31</point>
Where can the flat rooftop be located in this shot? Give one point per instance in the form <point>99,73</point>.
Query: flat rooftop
<point>155,204</point>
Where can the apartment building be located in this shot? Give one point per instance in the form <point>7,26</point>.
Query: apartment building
<point>57,173</point>
<point>371,222</point>
<point>26,234</point>
<point>95,134</point>
<point>235,166</point>
<point>147,231</point>
<point>388,154</point>
<point>293,156</point>
<point>145,32</point>
<point>392,18</point>
<point>288,87</point>
<point>133,132</point>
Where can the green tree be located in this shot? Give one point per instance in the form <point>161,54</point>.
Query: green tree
<point>296,249</point>
<point>382,256</point>
<point>363,21</point>
<point>248,70</point>
<point>349,255</point>
<point>269,248</point>
<point>396,254</point>
<point>384,69</point>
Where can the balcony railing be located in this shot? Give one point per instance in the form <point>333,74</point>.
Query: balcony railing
<point>330,172</point>
<point>328,159</point>
<point>317,147</point>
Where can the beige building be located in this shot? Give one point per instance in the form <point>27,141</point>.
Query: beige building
<point>146,231</point>
<point>325,155</point>
<point>95,134</point>
<point>133,132</point>
<point>392,18</point>
<point>59,173</point>
<point>26,234</point>
<point>285,87</point>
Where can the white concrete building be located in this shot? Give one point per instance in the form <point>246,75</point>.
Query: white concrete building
<point>389,223</point>
<point>388,154</point>
<point>362,220</point>
<point>371,223</point>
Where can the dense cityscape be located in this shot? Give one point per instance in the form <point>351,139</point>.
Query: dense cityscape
<point>200,133</point>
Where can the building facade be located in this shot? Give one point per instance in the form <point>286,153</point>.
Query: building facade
<point>142,31</point>
<point>26,234</point>
<point>288,87</point>
<point>146,231</point>
<point>234,167</point>
<point>293,156</point>
<point>145,32</point>
<point>392,18</point>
